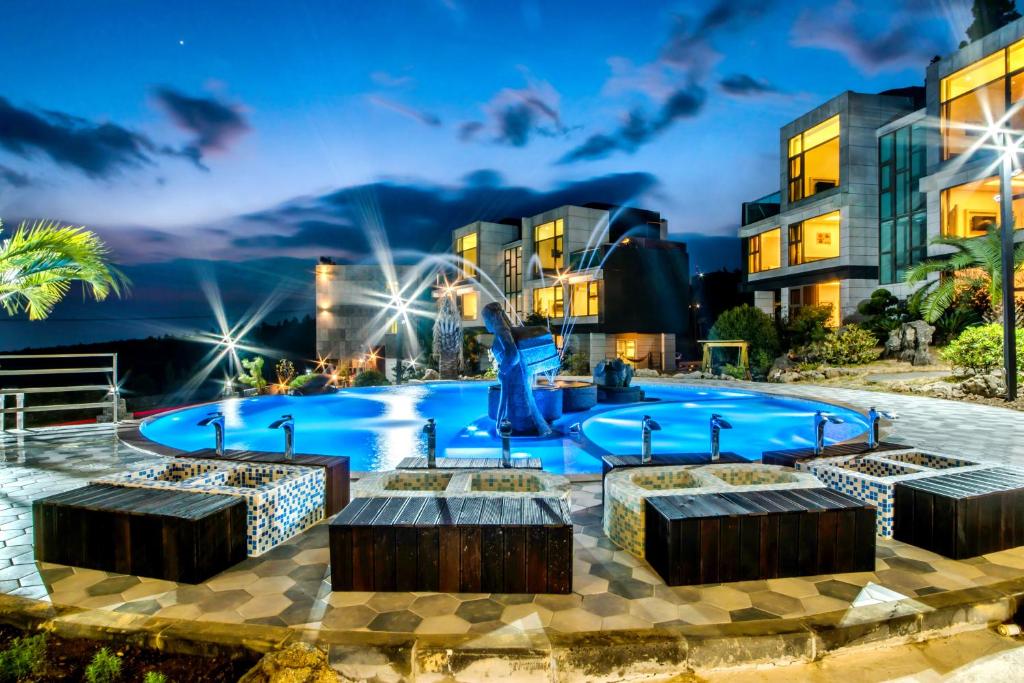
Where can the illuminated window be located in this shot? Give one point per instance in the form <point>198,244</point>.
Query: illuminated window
<point>814,239</point>
<point>969,209</point>
<point>978,95</point>
<point>393,327</point>
<point>469,303</point>
<point>814,160</point>
<point>626,350</point>
<point>547,238</point>
<point>585,299</point>
<point>514,281</point>
<point>547,301</point>
<point>903,225</point>
<point>824,294</point>
<point>765,251</point>
<point>466,249</point>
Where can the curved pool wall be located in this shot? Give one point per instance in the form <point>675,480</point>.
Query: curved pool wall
<point>379,426</point>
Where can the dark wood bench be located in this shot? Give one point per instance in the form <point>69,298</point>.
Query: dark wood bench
<point>610,463</point>
<point>164,534</point>
<point>337,477</point>
<point>454,545</point>
<point>789,457</point>
<point>420,463</point>
<point>961,514</point>
<point>719,537</point>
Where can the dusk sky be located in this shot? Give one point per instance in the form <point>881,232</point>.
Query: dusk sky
<point>204,135</point>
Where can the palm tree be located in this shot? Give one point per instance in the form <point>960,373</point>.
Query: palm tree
<point>972,253</point>
<point>38,263</point>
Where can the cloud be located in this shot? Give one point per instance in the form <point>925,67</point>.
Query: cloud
<point>99,150</point>
<point>214,124</point>
<point>469,129</point>
<point>390,80</point>
<point>871,41</point>
<point>743,85</point>
<point>515,115</point>
<point>424,117</point>
<point>416,216</point>
<point>15,179</point>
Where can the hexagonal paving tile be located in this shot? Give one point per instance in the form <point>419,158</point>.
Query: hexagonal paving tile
<point>476,611</point>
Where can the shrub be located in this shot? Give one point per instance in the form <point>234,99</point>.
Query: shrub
<point>253,375</point>
<point>105,667</point>
<point>751,325</point>
<point>285,371</point>
<point>22,658</point>
<point>575,364</point>
<point>370,378</point>
<point>953,322</point>
<point>981,348</point>
<point>808,325</point>
<point>735,371</point>
<point>883,313</point>
<point>302,380</point>
<point>850,345</point>
<point>154,677</point>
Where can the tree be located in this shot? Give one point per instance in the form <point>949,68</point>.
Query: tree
<point>751,325</point>
<point>990,15</point>
<point>39,262</point>
<point>972,253</point>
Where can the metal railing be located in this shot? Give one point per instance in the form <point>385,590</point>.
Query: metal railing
<point>111,397</point>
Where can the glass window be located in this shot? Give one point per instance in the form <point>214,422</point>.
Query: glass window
<point>514,281</point>
<point>626,350</point>
<point>547,238</point>
<point>765,251</point>
<point>901,242</point>
<point>466,249</point>
<point>469,303</point>
<point>814,239</point>
<point>823,294</point>
<point>585,298</point>
<point>814,160</point>
<point>548,302</point>
<point>969,209</point>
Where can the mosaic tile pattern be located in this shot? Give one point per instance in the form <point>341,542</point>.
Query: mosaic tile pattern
<point>499,482</point>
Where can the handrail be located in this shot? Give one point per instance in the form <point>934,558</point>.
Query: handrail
<point>111,398</point>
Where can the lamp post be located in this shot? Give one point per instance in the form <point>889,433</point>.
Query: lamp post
<point>1009,300</point>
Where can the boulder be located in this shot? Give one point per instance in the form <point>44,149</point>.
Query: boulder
<point>297,663</point>
<point>613,373</point>
<point>431,374</point>
<point>646,372</point>
<point>910,342</point>
<point>989,386</point>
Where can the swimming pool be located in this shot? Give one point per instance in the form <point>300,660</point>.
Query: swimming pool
<point>378,426</point>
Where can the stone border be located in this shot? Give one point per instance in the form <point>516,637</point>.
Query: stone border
<point>562,657</point>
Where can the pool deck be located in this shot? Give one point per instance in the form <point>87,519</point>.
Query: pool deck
<point>286,592</point>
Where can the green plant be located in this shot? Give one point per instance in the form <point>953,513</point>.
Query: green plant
<point>807,325</point>
<point>302,380</point>
<point>22,658</point>
<point>953,322</point>
<point>735,371</point>
<point>575,364</point>
<point>751,325</point>
<point>105,667</point>
<point>40,261</point>
<point>971,253</point>
<point>253,375</point>
<point>370,378</point>
<point>471,350</point>
<point>285,371</point>
<point>849,345</point>
<point>981,348</point>
<point>883,313</point>
<point>154,677</point>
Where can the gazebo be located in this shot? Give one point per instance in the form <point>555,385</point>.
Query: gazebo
<point>709,345</point>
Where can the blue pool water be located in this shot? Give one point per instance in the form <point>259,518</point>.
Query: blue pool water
<point>378,426</point>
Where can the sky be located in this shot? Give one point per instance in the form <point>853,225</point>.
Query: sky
<point>236,141</point>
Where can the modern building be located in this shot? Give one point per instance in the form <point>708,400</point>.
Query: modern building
<point>606,278</point>
<point>869,181</point>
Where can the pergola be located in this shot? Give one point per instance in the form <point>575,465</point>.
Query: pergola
<point>709,345</point>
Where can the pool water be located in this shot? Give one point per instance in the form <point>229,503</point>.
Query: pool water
<point>379,426</point>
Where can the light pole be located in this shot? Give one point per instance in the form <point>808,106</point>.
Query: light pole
<point>1009,300</point>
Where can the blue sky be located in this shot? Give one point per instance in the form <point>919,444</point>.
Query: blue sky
<point>230,131</point>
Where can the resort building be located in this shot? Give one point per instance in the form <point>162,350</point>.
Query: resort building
<point>606,278</point>
<point>868,181</point>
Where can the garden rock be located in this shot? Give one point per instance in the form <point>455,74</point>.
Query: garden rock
<point>431,374</point>
<point>910,342</point>
<point>297,663</point>
<point>645,372</point>
<point>989,386</point>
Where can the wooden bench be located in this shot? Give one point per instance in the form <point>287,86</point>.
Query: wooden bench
<point>962,514</point>
<point>719,537</point>
<point>789,457</point>
<point>337,477</point>
<point>454,545</point>
<point>164,534</point>
<point>420,463</point>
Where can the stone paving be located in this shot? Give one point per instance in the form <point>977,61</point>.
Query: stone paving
<point>611,589</point>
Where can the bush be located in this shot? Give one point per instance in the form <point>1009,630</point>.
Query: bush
<point>953,322</point>
<point>575,364</point>
<point>850,345</point>
<point>981,348</point>
<point>22,658</point>
<point>154,677</point>
<point>302,380</point>
<point>285,371</point>
<point>253,375</point>
<point>104,667</point>
<point>734,371</point>
<point>808,325</point>
<point>370,378</point>
<point>751,325</point>
<point>883,313</point>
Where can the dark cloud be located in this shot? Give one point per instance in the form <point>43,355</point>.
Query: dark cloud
<point>872,42</point>
<point>469,129</point>
<point>416,216</point>
<point>424,117</point>
<point>15,179</point>
<point>99,150</point>
<point>214,124</point>
<point>517,114</point>
<point>743,85</point>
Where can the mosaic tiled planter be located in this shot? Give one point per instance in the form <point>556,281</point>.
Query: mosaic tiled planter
<point>627,489</point>
<point>873,478</point>
<point>281,500</point>
<point>462,483</point>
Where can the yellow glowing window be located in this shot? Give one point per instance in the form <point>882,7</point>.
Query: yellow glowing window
<point>824,294</point>
<point>585,298</point>
<point>393,327</point>
<point>814,160</point>
<point>548,301</point>
<point>968,210</point>
<point>469,303</point>
<point>814,239</point>
<point>1015,56</point>
<point>626,350</point>
<point>973,76</point>
<point>466,249</point>
<point>765,251</point>
<point>547,238</point>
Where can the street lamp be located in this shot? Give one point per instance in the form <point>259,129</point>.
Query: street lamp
<point>1008,150</point>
